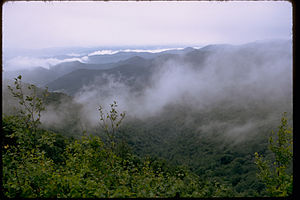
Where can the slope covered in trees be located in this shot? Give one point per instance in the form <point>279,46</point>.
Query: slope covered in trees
<point>41,163</point>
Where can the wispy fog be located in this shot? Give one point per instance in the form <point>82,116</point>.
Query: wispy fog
<point>232,74</point>
<point>27,63</point>
<point>234,89</point>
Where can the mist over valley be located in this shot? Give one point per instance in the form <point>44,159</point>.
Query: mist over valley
<point>148,99</point>
<point>180,103</point>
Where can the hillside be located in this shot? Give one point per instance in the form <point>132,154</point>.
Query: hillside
<point>207,110</point>
<point>132,70</point>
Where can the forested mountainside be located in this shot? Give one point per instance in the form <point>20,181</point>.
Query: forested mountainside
<point>198,116</point>
<point>90,168</point>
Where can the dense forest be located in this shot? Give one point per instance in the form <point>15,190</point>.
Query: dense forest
<point>130,157</point>
<point>181,99</point>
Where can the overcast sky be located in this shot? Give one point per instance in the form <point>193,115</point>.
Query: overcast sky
<point>58,24</point>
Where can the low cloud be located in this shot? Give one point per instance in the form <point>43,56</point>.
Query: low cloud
<point>74,54</point>
<point>103,52</point>
<point>111,52</point>
<point>24,62</point>
<point>237,90</point>
<point>256,85</point>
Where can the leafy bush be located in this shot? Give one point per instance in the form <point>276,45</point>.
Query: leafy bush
<point>277,173</point>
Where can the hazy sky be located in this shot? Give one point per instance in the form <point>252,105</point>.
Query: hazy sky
<point>54,24</point>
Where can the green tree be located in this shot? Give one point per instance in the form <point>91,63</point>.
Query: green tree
<point>31,105</point>
<point>277,174</point>
<point>110,122</point>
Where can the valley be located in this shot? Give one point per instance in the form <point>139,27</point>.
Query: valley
<point>207,110</point>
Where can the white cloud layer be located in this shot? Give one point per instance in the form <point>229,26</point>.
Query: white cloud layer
<point>111,52</point>
<point>226,75</point>
<point>24,62</point>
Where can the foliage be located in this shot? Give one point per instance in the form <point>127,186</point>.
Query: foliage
<point>25,164</point>
<point>91,170</point>
<point>275,173</point>
<point>209,154</point>
<point>32,104</point>
<point>110,122</point>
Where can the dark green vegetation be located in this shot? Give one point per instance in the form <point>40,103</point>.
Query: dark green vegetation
<point>277,173</point>
<point>44,164</point>
<point>40,163</point>
<point>131,162</point>
<point>212,155</point>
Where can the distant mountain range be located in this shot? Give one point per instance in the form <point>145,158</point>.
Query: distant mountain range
<point>136,68</point>
<point>41,76</point>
